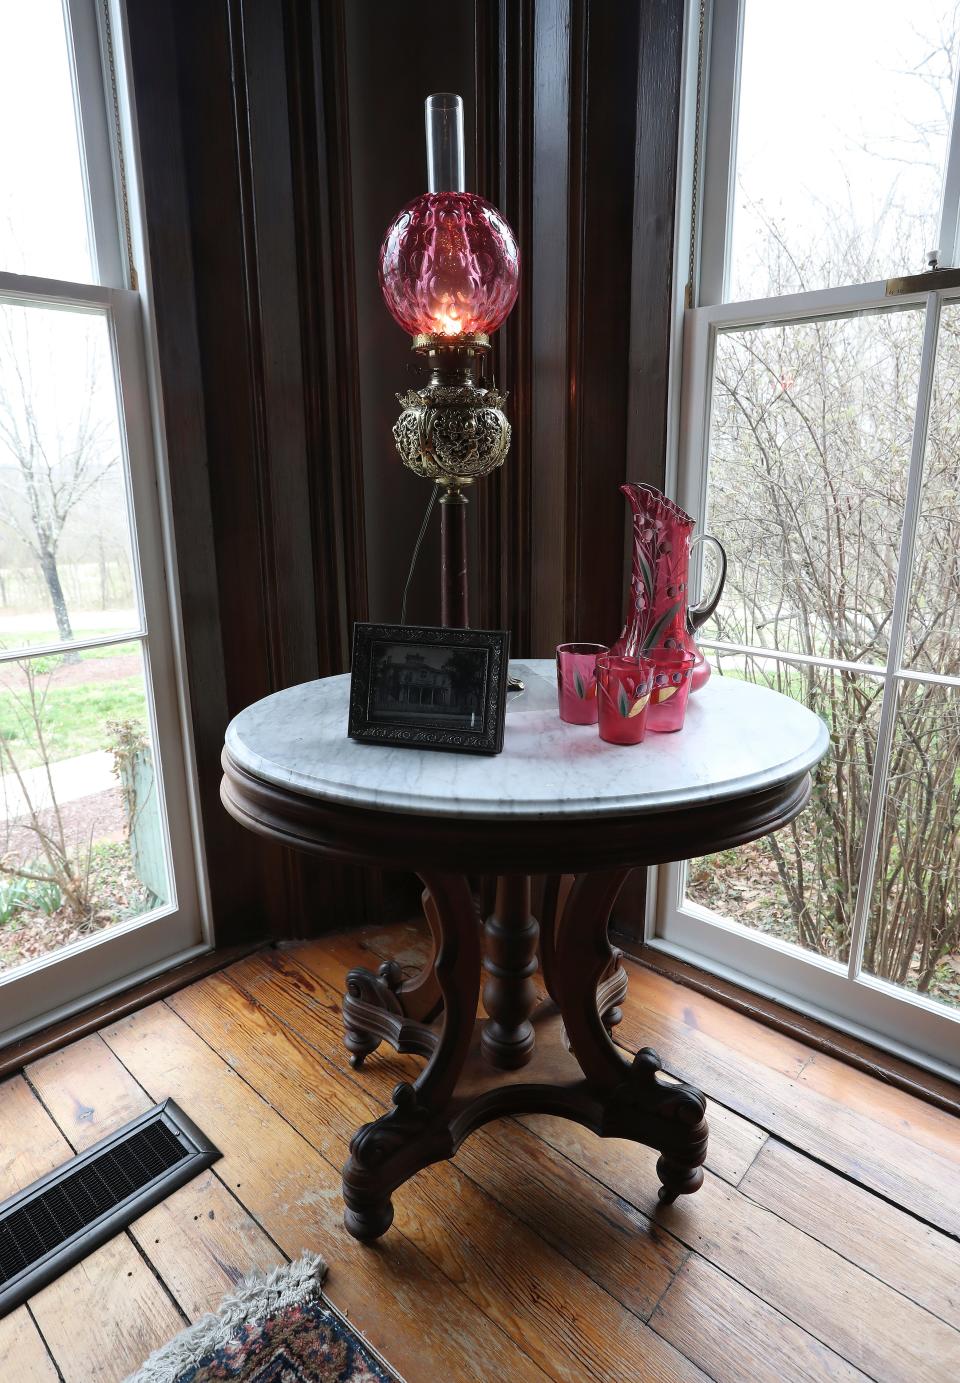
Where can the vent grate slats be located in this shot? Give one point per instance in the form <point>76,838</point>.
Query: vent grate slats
<point>49,1226</point>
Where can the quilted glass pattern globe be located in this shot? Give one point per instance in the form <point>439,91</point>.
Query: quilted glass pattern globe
<point>449,266</point>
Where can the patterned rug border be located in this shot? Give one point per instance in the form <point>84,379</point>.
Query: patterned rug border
<point>260,1294</point>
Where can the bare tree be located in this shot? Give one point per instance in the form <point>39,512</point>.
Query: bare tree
<point>57,859</point>
<point>56,461</point>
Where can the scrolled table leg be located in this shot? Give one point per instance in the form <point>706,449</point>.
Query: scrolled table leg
<point>636,1104</point>
<point>416,1132</point>
<point>383,1007</point>
<point>612,990</point>
<point>373,1012</point>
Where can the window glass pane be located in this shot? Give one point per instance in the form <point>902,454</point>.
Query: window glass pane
<point>65,551</point>
<point>82,841</point>
<point>932,641</point>
<point>914,933</point>
<point>799,885</point>
<point>43,218</point>
<point>809,449</point>
<point>841,143</point>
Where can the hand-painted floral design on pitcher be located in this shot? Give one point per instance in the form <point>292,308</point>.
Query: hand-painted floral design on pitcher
<point>658,615</point>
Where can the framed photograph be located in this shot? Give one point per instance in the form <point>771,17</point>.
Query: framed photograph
<point>429,688</point>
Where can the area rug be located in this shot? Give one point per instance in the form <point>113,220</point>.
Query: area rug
<point>275,1328</point>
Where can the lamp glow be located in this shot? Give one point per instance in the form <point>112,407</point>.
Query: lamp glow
<point>449,266</point>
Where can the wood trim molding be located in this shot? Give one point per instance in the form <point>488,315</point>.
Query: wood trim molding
<point>864,1056</point>
<point>505,172</point>
<point>326,270</point>
<point>57,1035</point>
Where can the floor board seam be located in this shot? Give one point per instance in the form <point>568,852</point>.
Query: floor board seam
<point>861,1267</point>
<point>151,1267</point>
<point>805,1330</point>
<point>43,1341</point>
<point>746,1171</point>
<point>870,1190</point>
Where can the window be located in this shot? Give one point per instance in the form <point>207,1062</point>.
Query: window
<point>98,879</point>
<point>820,442</point>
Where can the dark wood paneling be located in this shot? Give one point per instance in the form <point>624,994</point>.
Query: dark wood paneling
<point>606,101</point>
<point>652,289</point>
<point>323,207</point>
<point>547,262</point>
<point>504,139</point>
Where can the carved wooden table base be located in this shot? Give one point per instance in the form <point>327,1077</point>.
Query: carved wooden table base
<point>555,1057</point>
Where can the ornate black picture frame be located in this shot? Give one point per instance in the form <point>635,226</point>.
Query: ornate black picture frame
<point>425,688</point>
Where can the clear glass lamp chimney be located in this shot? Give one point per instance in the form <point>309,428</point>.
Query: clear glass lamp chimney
<point>443,118</point>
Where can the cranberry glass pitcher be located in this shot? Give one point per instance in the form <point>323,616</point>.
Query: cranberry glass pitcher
<point>658,615</point>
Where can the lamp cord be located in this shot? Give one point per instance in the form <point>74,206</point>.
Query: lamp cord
<point>416,551</point>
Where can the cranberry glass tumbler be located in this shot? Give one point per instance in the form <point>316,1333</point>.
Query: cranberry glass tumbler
<point>623,693</point>
<point>673,670</point>
<point>577,682</point>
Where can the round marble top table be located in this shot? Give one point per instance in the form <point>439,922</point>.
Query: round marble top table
<point>557,802</point>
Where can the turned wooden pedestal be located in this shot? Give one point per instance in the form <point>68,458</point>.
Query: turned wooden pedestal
<point>557,802</point>
<point>554,1057</point>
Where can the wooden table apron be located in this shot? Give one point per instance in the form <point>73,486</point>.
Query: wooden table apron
<point>555,1057</point>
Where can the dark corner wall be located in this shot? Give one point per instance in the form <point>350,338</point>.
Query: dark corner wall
<point>278,139</point>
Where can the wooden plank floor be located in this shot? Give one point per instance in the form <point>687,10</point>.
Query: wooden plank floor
<point>823,1243</point>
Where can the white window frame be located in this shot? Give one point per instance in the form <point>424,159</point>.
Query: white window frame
<point>885,1014</point>
<point>90,970</point>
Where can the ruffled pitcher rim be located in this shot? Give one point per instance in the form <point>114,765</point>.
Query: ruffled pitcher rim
<point>668,507</point>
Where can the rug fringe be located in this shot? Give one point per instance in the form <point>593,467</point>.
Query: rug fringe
<point>259,1294</point>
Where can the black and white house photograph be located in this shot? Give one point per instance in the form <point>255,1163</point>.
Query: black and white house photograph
<point>422,683</point>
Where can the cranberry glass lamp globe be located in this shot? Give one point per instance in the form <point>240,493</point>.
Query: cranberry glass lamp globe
<point>449,266</point>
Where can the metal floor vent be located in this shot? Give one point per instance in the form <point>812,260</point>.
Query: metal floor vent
<point>52,1224</point>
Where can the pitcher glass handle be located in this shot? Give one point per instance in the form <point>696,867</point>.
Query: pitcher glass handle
<point>699,614</point>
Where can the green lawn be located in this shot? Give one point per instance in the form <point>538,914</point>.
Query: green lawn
<point>74,720</point>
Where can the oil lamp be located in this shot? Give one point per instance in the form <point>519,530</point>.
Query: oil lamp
<point>449,273</point>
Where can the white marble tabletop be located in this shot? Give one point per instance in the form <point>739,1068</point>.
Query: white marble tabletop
<point>737,738</point>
